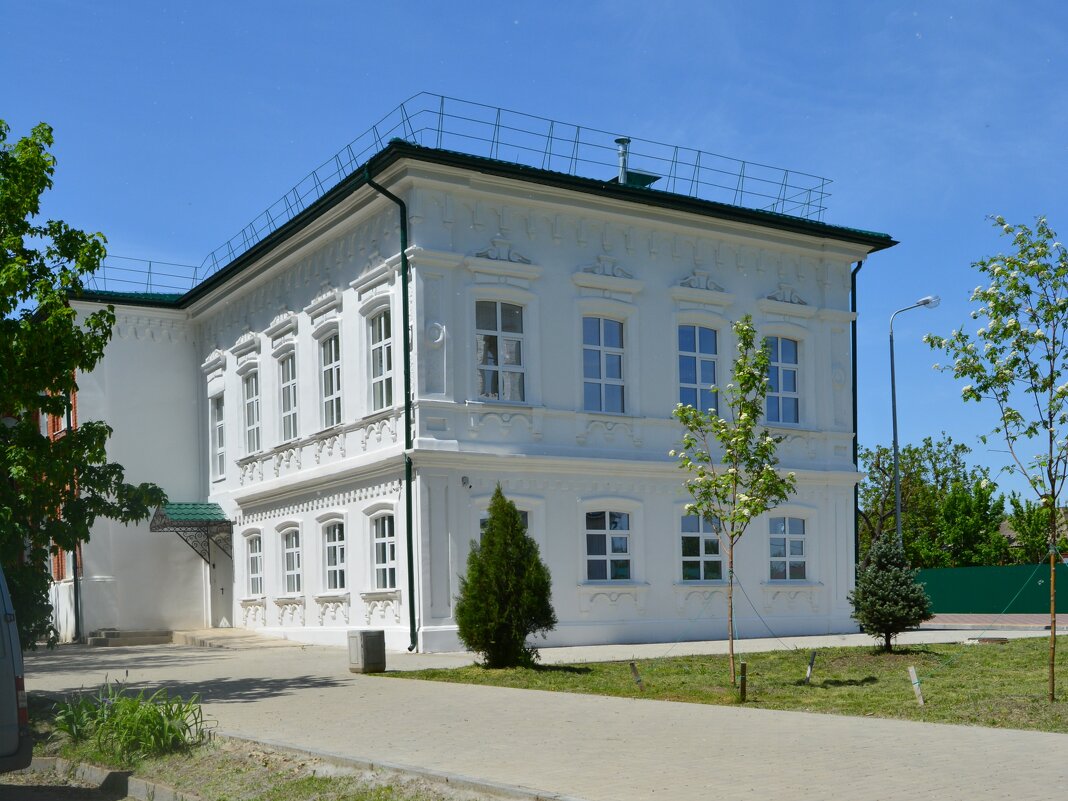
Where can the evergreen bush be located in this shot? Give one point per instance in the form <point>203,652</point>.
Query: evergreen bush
<point>887,600</point>
<point>506,595</point>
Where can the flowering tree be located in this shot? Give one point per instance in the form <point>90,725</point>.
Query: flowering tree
<point>739,481</point>
<point>1018,361</point>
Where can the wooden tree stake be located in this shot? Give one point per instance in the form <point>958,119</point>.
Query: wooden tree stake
<point>916,685</point>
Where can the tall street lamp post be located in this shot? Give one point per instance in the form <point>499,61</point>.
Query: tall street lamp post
<point>930,301</point>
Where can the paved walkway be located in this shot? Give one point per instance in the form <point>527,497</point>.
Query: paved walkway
<point>585,747</point>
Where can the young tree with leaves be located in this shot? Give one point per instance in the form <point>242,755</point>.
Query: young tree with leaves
<point>1018,362</point>
<point>51,491</point>
<point>732,460</point>
<point>887,600</point>
<point>506,596</point>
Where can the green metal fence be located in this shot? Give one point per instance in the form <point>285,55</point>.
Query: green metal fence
<point>1017,589</point>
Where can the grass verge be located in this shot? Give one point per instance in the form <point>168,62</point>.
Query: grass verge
<point>997,685</point>
<point>232,770</point>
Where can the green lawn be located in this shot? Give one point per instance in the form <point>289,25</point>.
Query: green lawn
<point>981,685</point>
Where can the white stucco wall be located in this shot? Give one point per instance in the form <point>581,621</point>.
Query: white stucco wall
<point>560,255</point>
<point>147,389</point>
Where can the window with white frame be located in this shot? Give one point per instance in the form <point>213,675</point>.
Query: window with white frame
<point>698,349</point>
<point>218,440</point>
<point>499,351</point>
<point>608,546</point>
<point>788,551</point>
<point>255,565</point>
<point>251,384</point>
<point>602,365</point>
<point>701,558</point>
<point>291,571</point>
<point>783,401</point>
<point>330,381</point>
<point>381,361</point>
<point>384,538</point>
<point>334,555</point>
<point>287,402</point>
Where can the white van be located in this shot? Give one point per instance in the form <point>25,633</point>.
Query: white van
<point>16,746</point>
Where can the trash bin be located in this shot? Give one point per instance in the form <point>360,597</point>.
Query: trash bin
<point>367,651</point>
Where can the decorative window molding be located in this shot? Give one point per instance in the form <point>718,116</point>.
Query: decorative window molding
<point>786,303</point>
<point>290,610</point>
<point>383,603</point>
<point>326,304</point>
<point>377,279</point>
<point>608,279</point>
<point>489,271</point>
<point>334,605</point>
<point>699,289</point>
<point>247,344</point>
<point>215,363</point>
<point>282,330</point>
<point>500,249</point>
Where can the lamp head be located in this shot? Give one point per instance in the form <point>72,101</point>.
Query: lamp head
<point>930,301</point>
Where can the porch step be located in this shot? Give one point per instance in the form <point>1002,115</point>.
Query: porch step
<point>239,639</point>
<point>110,638</point>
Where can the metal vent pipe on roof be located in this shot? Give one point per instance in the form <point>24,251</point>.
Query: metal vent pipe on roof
<point>624,143</point>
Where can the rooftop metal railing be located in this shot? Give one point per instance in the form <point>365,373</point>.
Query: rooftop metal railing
<point>448,123</point>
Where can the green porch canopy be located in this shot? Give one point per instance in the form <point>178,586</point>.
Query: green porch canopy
<point>200,525</point>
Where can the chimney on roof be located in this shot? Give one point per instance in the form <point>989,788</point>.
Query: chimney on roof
<point>623,143</point>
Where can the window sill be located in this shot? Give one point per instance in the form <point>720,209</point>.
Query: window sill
<point>715,583</point>
<point>332,597</point>
<point>600,584</point>
<point>253,600</point>
<point>787,584</point>
<point>380,595</point>
<point>378,414</point>
<point>289,600</point>
<point>497,404</point>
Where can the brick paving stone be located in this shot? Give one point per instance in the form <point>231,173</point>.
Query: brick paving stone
<point>588,747</point>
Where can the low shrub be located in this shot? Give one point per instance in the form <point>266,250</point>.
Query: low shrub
<point>121,727</point>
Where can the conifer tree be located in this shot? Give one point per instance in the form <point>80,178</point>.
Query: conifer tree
<point>506,595</point>
<point>887,600</point>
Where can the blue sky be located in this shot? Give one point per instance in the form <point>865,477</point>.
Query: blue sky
<point>176,123</point>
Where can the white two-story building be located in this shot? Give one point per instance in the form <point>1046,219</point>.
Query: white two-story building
<point>331,411</point>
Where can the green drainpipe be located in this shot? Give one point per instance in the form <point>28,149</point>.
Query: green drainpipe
<point>413,632</point>
<point>856,441</point>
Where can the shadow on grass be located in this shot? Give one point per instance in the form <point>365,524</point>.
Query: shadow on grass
<point>830,684</point>
<point>577,669</point>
